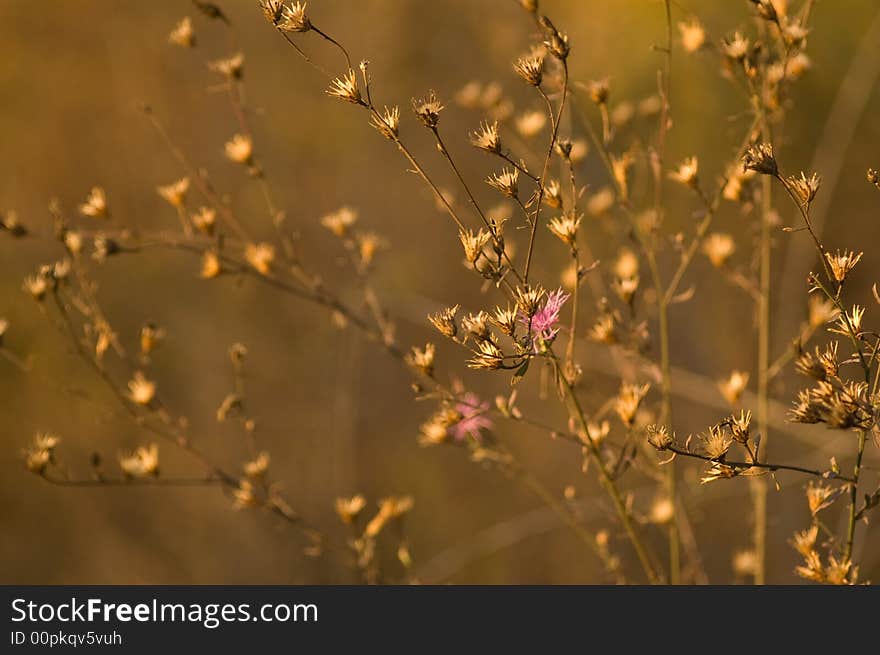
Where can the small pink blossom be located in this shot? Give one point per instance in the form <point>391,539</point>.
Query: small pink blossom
<point>473,418</point>
<point>543,324</point>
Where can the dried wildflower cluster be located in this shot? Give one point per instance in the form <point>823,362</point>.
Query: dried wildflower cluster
<point>572,169</point>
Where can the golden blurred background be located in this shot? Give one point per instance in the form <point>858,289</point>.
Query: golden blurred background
<point>335,413</point>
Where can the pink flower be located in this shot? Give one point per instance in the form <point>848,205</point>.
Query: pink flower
<point>543,323</point>
<point>473,418</point>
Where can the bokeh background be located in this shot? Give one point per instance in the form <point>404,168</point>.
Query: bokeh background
<point>335,413</point>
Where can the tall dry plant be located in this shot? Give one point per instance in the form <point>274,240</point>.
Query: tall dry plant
<point>526,327</point>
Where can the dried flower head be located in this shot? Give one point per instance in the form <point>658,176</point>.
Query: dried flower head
<point>143,462</point>
<point>388,122</point>
<point>95,204</point>
<point>626,287</point>
<point>686,173</point>
<point>9,221</point>
<point>507,182</point>
<point>141,391</point>
<point>230,67</point>
<point>240,149</point>
<point>553,194</point>
<point>272,10</point>
<point>566,227</point>
<point>732,387</point>
<point>716,443</point>
<point>693,36</point>
<point>346,88</point>
<point>175,193</point>
<point>604,330</point>
<point>487,137</point>
<point>599,90</point>
<point>745,562</point>
<point>601,201</point>
<point>445,322</point>
<point>260,256</point>
<point>659,437</point>
<point>804,542</point>
<point>428,109</point>
<point>739,426</point>
<point>620,166</point>
<point>804,188</point>
<point>40,453</point>
<point>73,241</point>
<point>473,243</point>
<point>294,18</point>
<point>718,248</point>
<point>487,356</point>
<point>759,158</point>
<point>37,286</point>
<point>629,398</point>
<point>183,33</point>
<point>422,359</point>
<point>820,496</point>
<point>842,263</point>
<point>874,177</point>
<point>531,67</point>
<point>348,509</point>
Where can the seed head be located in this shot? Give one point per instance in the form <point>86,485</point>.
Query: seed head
<point>445,322</point>
<point>874,177</point>
<point>211,267</point>
<point>716,443</point>
<point>819,496</point>
<point>599,91</point>
<point>488,356</point>
<point>487,138</point>
<point>346,88</point>
<point>272,10</point>
<point>531,67</point>
<point>428,109</point>
<point>659,437</point>
<point>804,188</point>
<point>842,263</point>
<point>388,122</point>
<point>474,243</point>
<point>628,400</point>
<point>507,182</point>
<point>294,18</point>
<point>759,158</point>
<point>566,227</point>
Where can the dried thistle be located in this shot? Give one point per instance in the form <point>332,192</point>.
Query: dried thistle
<point>422,359</point>
<point>507,182</point>
<point>804,188</point>
<point>487,138</point>
<point>445,322</point>
<point>141,391</point>
<point>629,398</point>
<point>473,243</point>
<point>230,67</point>
<point>346,88</point>
<point>686,173</point>
<point>565,227</point>
<point>531,67</point>
<point>388,122</point>
<point>759,158</point>
<point>348,509</point>
<point>659,437</point>
<point>842,263</point>
<point>732,387</point>
<point>293,18</point>
<point>428,109</point>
